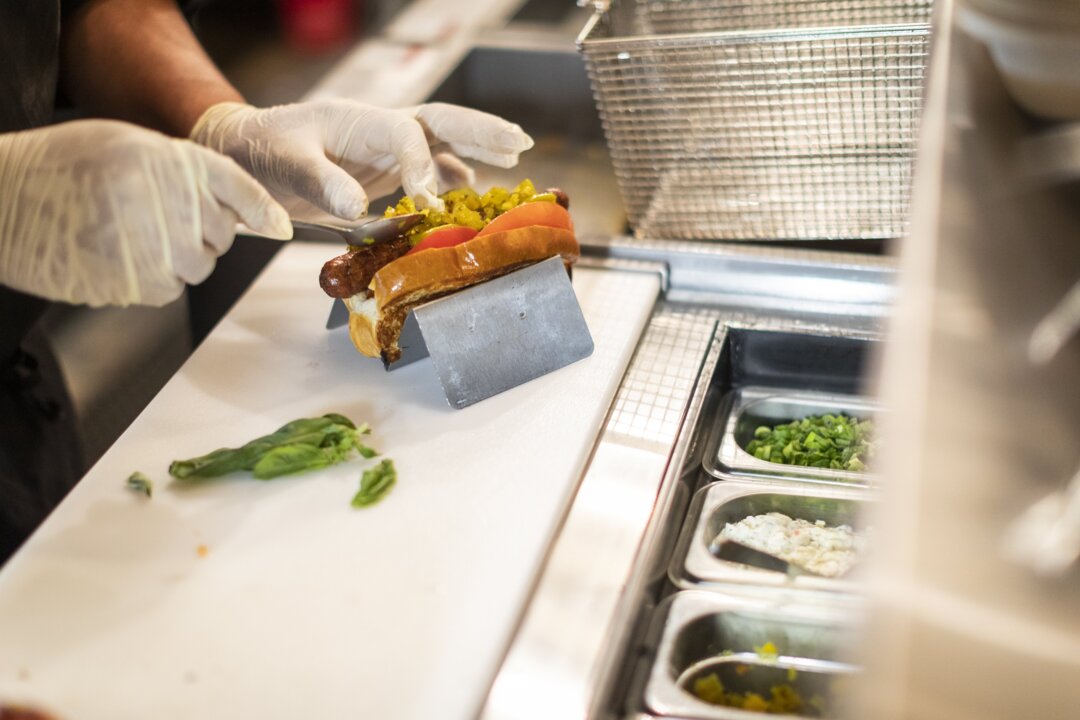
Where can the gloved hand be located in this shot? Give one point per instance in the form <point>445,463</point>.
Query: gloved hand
<point>102,212</point>
<point>323,160</point>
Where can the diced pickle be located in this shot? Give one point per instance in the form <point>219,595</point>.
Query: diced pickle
<point>466,207</point>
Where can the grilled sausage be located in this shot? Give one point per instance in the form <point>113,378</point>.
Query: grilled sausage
<point>351,273</point>
<point>560,197</point>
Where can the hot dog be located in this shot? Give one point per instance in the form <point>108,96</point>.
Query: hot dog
<point>477,238</point>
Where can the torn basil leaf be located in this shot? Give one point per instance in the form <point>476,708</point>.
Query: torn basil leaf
<point>140,483</point>
<point>375,484</point>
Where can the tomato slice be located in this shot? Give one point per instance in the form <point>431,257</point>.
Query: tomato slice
<point>548,214</point>
<point>443,236</point>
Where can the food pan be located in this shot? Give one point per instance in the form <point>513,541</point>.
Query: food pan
<point>706,633</point>
<point>695,564</point>
<point>752,407</point>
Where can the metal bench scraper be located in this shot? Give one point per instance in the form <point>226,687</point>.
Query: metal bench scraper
<point>497,335</point>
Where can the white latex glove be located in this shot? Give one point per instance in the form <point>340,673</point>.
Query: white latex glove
<point>323,160</point>
<point>106,213</point>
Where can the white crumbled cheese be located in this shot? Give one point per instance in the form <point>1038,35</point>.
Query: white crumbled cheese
<point>829,551</point>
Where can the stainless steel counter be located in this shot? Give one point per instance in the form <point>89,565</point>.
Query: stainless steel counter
<point>568,652</point>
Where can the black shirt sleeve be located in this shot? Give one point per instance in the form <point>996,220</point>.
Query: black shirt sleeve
<point>67,7</point>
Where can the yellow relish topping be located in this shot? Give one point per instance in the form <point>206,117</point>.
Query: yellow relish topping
<point>467,207</point>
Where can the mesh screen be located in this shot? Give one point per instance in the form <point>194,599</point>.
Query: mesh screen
<point>783,134</point>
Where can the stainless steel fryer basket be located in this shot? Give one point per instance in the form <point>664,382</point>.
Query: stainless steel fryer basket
<point>760,120</point>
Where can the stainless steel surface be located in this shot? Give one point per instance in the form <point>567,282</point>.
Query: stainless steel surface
<point>618,538</point>
<point>755,121</point>
<point>763,279</point>
<point>747,348</point>
<point>696,565</point>
<point>575,617</point>
<point>370,232</point>
<point>113,360</point>
<point>497,335</point>
<point>749,672</point>
<point>339,315</point>
<point>813,639</point>
<point>994,254</point>
<point>752,407</point>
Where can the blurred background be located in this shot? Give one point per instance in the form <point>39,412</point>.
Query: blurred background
<point>284,47</point>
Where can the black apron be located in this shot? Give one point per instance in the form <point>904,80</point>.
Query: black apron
<point>39,455</point>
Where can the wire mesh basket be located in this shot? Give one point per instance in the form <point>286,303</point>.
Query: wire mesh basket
<point>761,119</point>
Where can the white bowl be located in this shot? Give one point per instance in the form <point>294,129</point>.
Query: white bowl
<point>1036,47</point>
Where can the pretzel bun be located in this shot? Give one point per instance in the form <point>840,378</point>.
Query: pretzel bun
<point>376,317</point>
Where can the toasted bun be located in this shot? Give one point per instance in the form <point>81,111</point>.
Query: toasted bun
<point>363,318</point>
<point>375,322</point>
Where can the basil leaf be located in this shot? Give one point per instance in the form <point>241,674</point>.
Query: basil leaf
<point>304,444</point>
<point>375,483</point>
<point>288,459</point>
<point>140,483</point>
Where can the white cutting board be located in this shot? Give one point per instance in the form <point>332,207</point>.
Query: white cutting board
<point>301,606</point>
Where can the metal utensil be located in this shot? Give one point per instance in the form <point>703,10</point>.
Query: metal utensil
<point>375,230</point>
<point>733,551</point>
<point>502,333</point>
<point>496,335</point>
<point>751,672</point>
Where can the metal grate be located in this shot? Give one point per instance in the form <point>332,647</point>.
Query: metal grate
<point>661,375</point>
<point>719,130</point>
<point>670,17</point>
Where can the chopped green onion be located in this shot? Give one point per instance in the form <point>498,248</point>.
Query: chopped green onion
<point>834,441</point>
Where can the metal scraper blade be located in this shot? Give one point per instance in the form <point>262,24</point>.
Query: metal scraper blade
<point>339,315</point>
<point>505,332</point>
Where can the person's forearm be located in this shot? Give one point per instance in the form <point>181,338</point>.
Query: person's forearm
<point>138,60</point>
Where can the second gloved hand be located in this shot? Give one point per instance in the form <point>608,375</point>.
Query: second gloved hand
<point>106,213</point>
<point>323,160</point>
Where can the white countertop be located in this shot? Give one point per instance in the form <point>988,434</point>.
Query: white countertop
<point>298,604</point>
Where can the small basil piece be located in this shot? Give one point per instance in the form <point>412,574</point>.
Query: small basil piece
<point>375,483</point>
<point>140,483</point>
